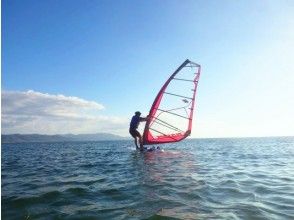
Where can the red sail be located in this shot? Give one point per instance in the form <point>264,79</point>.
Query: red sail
<point>171,115</point>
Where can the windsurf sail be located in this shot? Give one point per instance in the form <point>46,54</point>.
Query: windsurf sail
<point>170,117</point>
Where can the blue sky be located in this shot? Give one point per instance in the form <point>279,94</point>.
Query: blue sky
<point>119,53</point>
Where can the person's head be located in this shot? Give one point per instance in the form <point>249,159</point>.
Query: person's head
<point>138,113</point>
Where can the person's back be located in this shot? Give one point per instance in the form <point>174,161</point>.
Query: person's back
<point>135,122</point>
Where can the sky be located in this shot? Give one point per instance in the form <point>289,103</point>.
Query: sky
<point>85,66</point>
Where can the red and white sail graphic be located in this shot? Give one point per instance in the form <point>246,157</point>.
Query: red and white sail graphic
<point>171,115</point>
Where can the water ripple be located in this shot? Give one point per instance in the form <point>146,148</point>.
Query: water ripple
<point>195,179</point>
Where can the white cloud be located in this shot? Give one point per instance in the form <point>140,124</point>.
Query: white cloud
<point>35,112</point>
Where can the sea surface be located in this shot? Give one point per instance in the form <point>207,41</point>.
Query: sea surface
<point>246,178</point>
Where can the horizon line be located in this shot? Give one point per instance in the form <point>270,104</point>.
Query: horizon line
<point>277,136</point>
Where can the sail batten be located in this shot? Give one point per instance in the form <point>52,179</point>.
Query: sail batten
<point>168,112</point>
<point>187,80</point>
<point>167,125</point>
<point>171,115</point>
<point>178,95</point>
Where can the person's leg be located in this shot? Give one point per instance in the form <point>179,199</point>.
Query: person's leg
<point>136,143</point>
<point>141,142</point>
<point>140,139</point>
<point>134,135</point>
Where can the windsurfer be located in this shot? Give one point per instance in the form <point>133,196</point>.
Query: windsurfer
<point>136,119</point>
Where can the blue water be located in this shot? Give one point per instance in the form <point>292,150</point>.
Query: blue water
<point>249,178</point>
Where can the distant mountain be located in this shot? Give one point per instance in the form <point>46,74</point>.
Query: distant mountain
<point>23,138</point>
<point>94,137</point>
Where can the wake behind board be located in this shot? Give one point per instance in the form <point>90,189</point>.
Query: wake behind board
<point>152,149</point>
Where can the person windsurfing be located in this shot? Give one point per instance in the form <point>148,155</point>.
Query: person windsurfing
<point>136,119</point>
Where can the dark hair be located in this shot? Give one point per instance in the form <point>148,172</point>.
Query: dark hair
<point>137,113</point>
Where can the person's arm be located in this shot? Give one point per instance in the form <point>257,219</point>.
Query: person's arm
<point>144,119</point>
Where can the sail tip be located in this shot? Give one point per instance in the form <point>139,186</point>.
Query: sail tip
<point>196,64</point>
